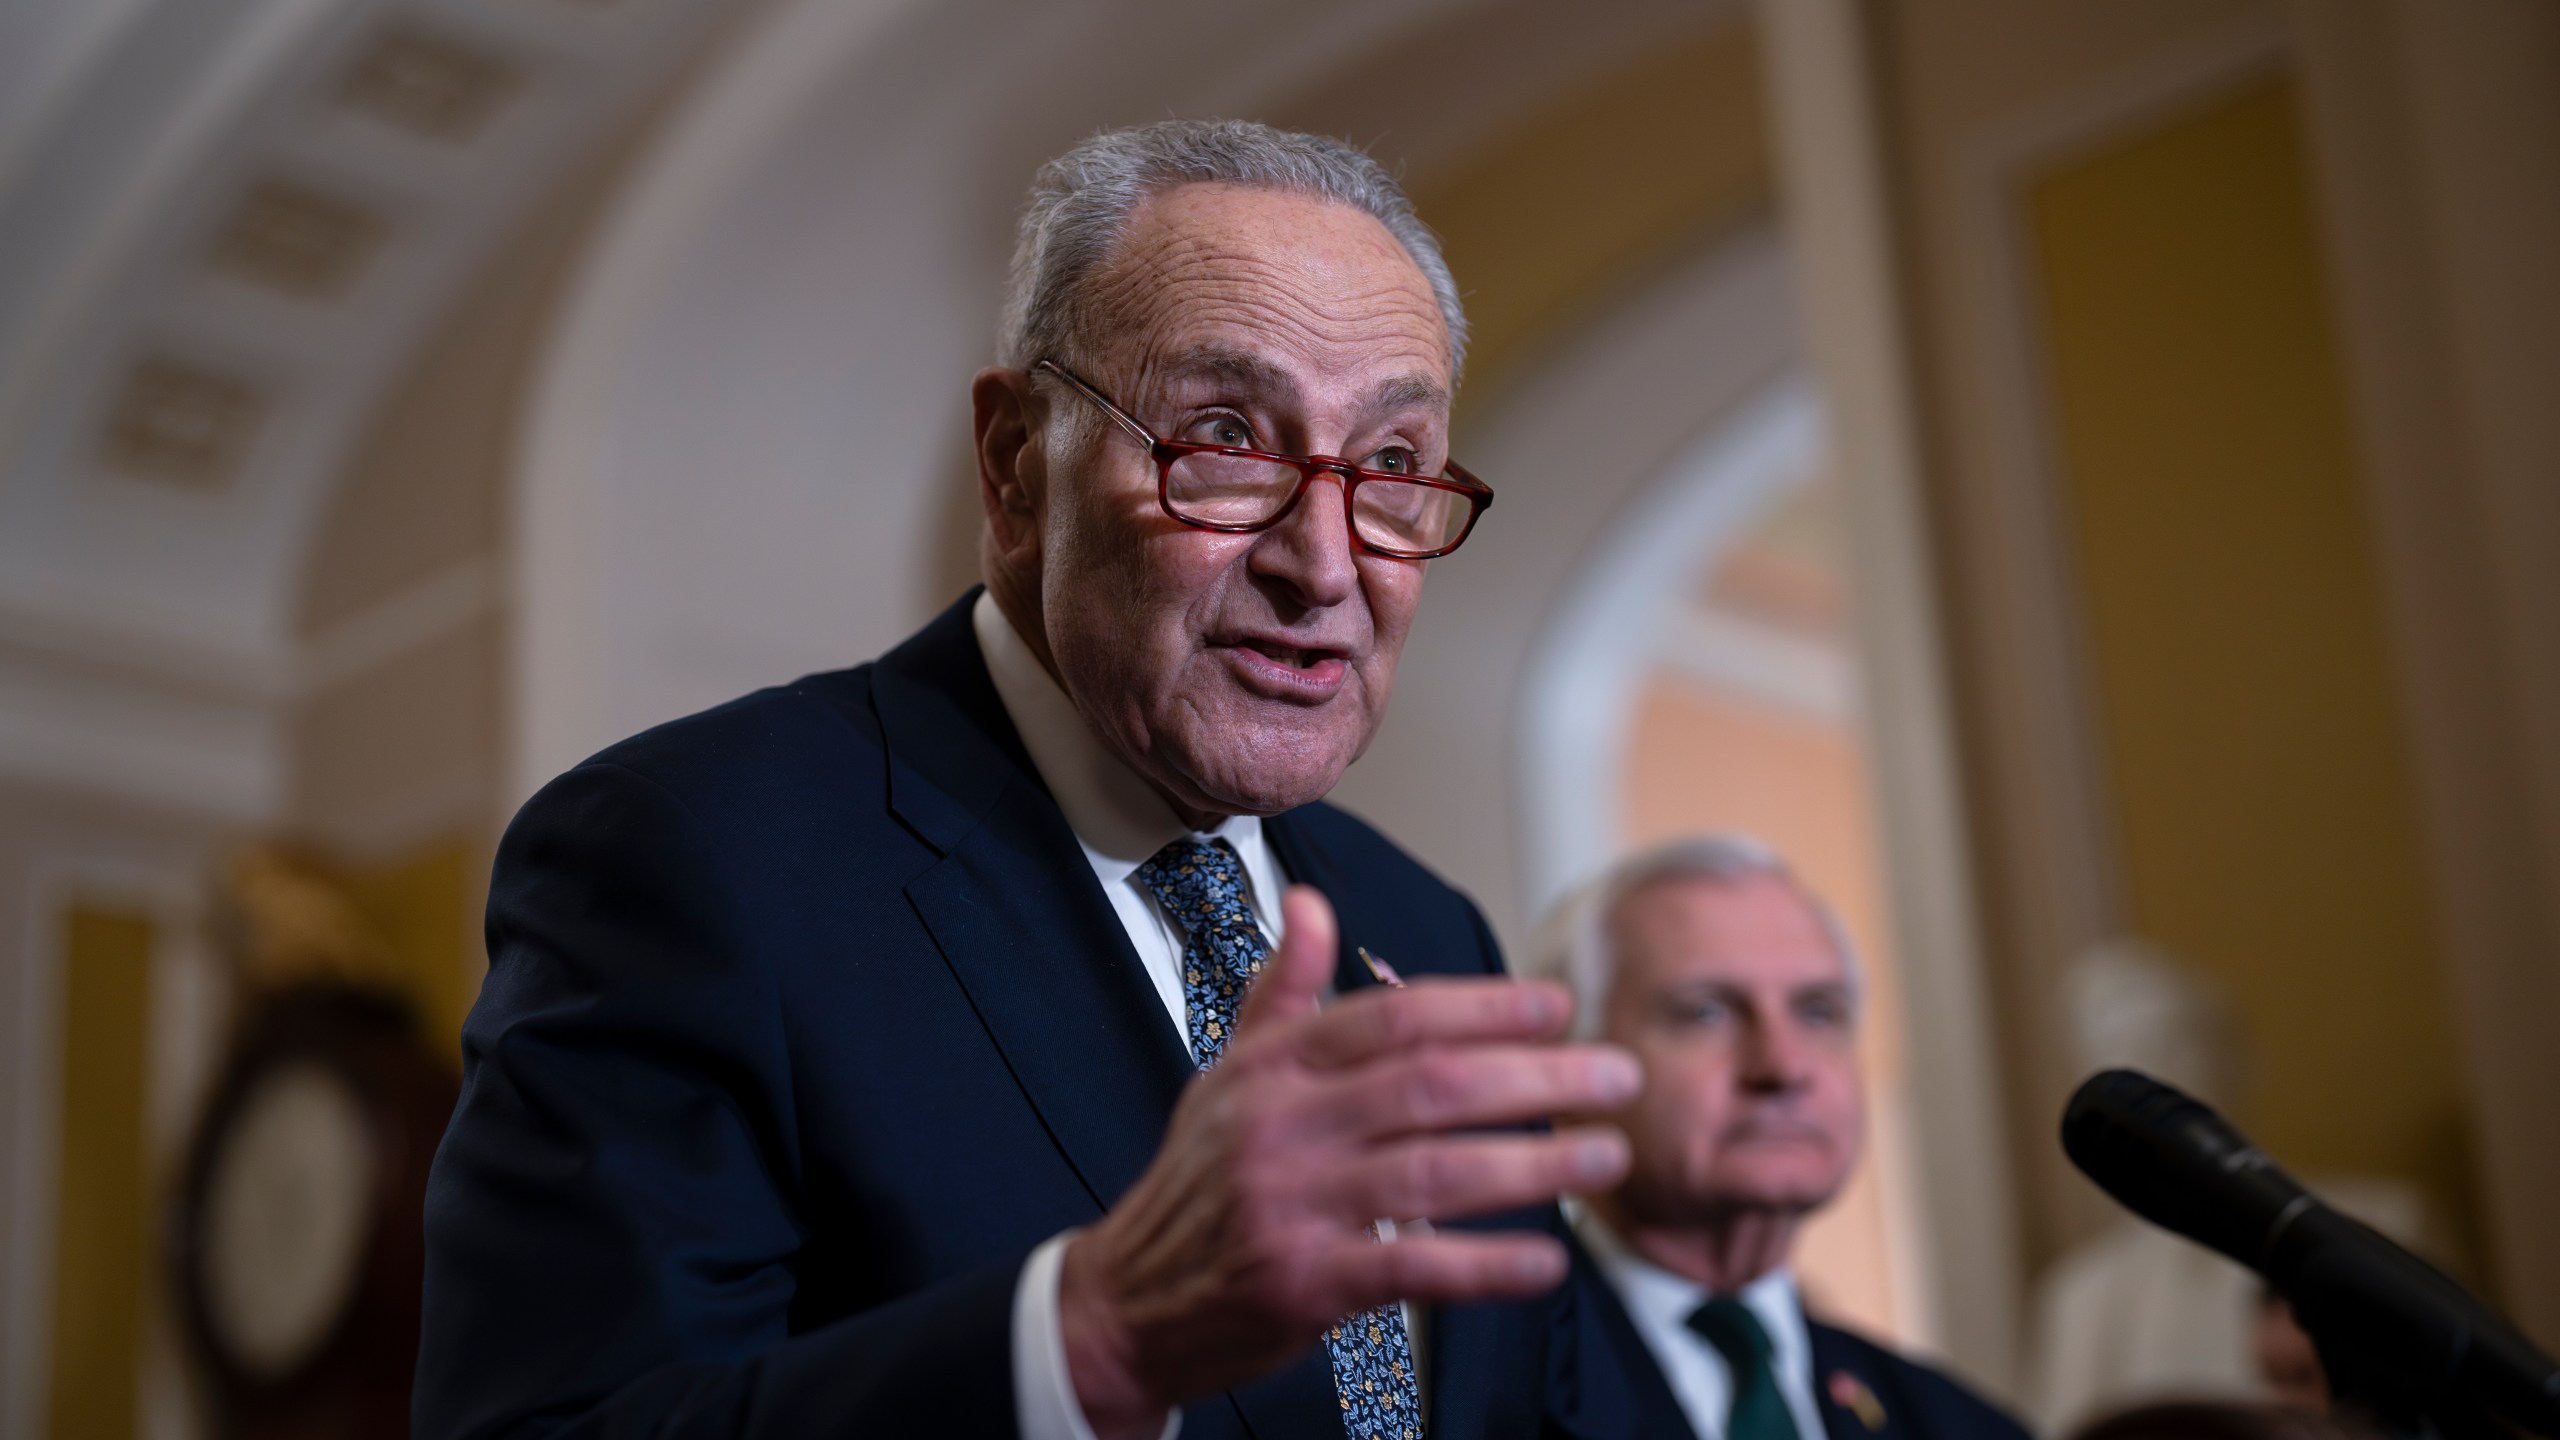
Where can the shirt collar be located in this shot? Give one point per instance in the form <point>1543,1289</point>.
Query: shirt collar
<point>1662,1301</point>
<point>1117,817</point>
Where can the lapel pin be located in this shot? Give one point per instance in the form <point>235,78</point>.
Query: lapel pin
<point>1851,1394</point>
<point>1380,969</point>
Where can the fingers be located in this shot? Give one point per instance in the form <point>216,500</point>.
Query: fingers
<point>1452,1177</point>
<point>1445,1268</point>
<point>1387,1021</point>
<point>1293,978</point>
<point>1465,1087</point>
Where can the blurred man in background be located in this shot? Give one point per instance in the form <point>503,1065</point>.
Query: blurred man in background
<point>1738,991</point>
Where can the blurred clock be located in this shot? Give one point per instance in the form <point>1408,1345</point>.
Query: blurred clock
<point>299,1231</point>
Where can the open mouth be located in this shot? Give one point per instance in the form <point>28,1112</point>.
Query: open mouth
<point>1289,655</point>
<point>1278,670</point>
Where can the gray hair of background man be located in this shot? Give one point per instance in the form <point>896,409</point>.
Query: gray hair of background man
<point>1573,945</point>
<point>1081,203</point>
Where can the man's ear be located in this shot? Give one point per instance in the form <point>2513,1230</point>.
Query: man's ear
<point>1012,464</point>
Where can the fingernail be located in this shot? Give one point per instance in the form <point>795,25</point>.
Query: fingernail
<point>1616,1074</point>
<point>1534,1266</point>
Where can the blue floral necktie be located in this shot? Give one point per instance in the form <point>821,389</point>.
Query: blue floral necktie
<point>1201,885</point>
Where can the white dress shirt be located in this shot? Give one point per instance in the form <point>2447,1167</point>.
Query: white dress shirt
<point>1118,819</point>
<point>1121,823</point>
<point>1660,1303</point>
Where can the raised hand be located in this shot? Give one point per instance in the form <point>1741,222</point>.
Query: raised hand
<point>1249,1233</point>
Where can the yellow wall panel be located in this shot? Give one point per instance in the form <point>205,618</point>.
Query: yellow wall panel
<point>2244,683</point>
<point>425,908</point>
<point>102,1266</point>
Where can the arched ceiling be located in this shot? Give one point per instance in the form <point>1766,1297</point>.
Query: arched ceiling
<point>223,223</point>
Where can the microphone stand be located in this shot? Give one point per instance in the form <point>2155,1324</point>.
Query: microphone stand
<point>2377,1391</point>
<point>2404,1345</point>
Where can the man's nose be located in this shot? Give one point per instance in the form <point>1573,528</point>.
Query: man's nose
<point>1310,550</point>
<point>1774,1056</point>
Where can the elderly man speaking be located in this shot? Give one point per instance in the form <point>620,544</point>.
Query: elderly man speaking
<point>943,1046</point>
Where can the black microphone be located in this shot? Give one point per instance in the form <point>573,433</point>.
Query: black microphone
<point>2179,1165</point>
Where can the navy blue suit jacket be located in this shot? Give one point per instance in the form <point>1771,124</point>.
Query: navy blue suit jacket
<point>806,1021</point>
<point>1607,1386</point>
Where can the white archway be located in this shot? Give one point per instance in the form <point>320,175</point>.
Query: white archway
<point>1581,687</point>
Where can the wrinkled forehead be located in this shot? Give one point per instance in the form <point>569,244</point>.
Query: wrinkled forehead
<point>1281,290</point>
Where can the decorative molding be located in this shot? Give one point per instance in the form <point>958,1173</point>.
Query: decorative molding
<point>2020,507</point>
<point>400,623</point>
<point>70,725</point>
<point>1606,628</point>
<point>1838,213</point>
<point>429,83</point>
<point>1759,662</point>
<point>2060,866</point>
<point>2436,190</point>
<point>298,240</point>
<point>31,1092</point>
<point>96,709</point>
<point>181,423</point>
<point>214,172</point>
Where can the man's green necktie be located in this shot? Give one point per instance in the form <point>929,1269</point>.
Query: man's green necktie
<point>1759,1410</point>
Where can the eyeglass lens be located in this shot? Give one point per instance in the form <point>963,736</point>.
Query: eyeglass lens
<point>1389,514</point>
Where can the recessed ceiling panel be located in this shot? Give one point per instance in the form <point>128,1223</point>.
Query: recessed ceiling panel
<point>432,85</point>
<point>297,240</point>
<point>181,423</point>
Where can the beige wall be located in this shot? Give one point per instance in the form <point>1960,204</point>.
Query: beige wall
<point>2256,760</point>
<point>2436,132</point>
<point>2204,680</point>
<point>1959,81</point>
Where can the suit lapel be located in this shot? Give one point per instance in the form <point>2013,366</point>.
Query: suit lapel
<point>1307,864</point>
<point>1849,1394</point>
<point>1019,917</point>
<point>1611,1384</point>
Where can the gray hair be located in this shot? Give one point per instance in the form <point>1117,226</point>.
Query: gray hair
<point>1081,203</point>
<point>1573,945</point>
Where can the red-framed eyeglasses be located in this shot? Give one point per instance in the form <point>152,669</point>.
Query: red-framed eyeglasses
<point>1239,491</point>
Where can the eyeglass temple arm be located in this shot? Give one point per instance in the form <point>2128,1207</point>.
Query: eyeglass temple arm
<point>1119,416</point>
<point>1483,493</point>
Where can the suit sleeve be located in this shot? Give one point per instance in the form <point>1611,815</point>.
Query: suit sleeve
<point>613,1226</point>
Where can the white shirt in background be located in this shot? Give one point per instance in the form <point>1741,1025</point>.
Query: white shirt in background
<point>1660,1303</point>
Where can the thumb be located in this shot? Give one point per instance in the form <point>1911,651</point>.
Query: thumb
<point>1294,976</point>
